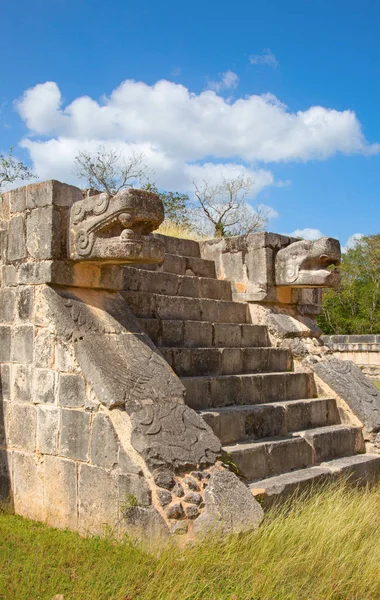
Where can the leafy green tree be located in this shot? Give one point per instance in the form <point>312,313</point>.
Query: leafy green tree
<point>12,170</point>
<point>176,205</point>
<point>354,308</point>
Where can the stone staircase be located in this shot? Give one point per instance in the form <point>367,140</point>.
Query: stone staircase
<point>272,425</point>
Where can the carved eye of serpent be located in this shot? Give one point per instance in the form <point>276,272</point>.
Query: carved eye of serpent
<point>84,242</point>
<point>100,204</point>
<point>291,273</point>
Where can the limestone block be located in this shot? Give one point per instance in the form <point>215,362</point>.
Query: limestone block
<point>16,238</point>
<point>21,380</point>
<point>75,434</point>
<point>28,486</point>
<point>5,476</point>
<point>48,425</point>
<point>25,298</point>
<point>5,343</point>
<point>22,344</point>
<point>44,386</point>
<point>22,426</point>
<point>36,273</point>
<point>5,382</point>
<point>98,500</point>
<point>9,275</point>
<point>71,390</point>
<point>134,485</point>
<point>126,464</point>
<point>43,348</point>
<point>3,422</point>
<point>229,506</point>
<point>47,193</point>
<point>104,442</point>
<point>7,305</point>
<point>43,231</point>
<point>64,359</point>
<point>17,199</point>
<point>61,492</point>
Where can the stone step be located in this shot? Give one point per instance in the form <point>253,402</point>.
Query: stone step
<point>265,458</point>
<point>170,284</point>
<point>236,423</point>
<point>198,334</point>
<point>227,361</point>
<point>359,468</point>
<point>180,246</point>
<point>230,390</point>
<point>184,265</point>
<point>149,306</point>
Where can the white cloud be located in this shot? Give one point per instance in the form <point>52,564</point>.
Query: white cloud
<point>307,234</point>
<point>182,134</point>
<point>352,241</point>
<point>228,81</point>
<point>265,58</point>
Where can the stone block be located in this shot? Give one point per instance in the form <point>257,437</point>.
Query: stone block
<point>71,390</point>
<point>229,506</point>
<point>25,300</point>
<point>75,434</point>
<point>61,492</point>
<point>48,425</point>
<point>104,442</point>
<point>43,233</point>
<point>227,334</point>
<point>16,239</point>
<point>5,343</point>
<point>43,348</point>
<point>98,500</point>
<point>7,305</point>
<point>9,275</point>
<point>21,380</point>
<point>28,486</point>
<point>36,273</point>
<point>172,333</point>
<point>3,422</point>
<point>17,200</point>
<point>64,359</point>
<point>44,385</point>
<point>197,334</point>
<point>5,476</point>
<point>22,344</point>
<point>22,426</point>
<point>47,193</point>
<point>5,382</point>
<point>134,485</point>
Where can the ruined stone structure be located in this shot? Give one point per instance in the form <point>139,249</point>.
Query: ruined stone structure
<point>363,350</point>
<point>137,368</point>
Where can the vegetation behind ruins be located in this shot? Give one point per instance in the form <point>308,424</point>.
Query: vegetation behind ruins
<point>354,308</point>
<point>325,548</point>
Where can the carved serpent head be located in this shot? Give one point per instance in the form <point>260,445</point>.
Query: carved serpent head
<point>306,263</point>
<point>117,229</point>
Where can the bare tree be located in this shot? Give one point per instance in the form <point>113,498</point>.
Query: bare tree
<point>225,207</point>
<point>12,170</point>
<point>109,170</point>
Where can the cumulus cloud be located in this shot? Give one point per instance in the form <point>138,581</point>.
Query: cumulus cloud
<point>228,80</point>
<point>352,241</point>
<point>265,58</point>
<point>307,234</point>
<point>183,135</point>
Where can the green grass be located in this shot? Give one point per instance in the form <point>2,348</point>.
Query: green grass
<point>324,548</point>
<point>376,383</point>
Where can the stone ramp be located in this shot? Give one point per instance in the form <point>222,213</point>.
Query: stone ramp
<point>272,425</point>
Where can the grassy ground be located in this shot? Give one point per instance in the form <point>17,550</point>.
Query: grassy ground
<point>376,383</point>
<point>324,548</point>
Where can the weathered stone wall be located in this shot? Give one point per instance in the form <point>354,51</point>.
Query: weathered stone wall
<point>363,350</point>
<point>94,431</point>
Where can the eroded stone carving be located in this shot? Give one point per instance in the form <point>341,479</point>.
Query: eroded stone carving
<point>117,228</point>
<point>305,263</point>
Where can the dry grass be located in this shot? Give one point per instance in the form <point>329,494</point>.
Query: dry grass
<point>324,548</point>
<point>179,231</point>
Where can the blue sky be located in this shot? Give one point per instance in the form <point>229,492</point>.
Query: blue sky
<point>243,83</point>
